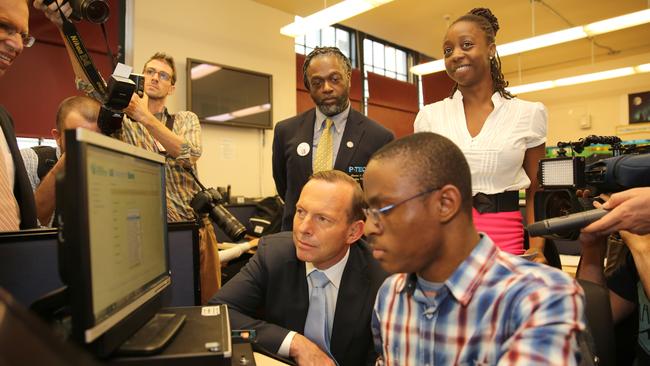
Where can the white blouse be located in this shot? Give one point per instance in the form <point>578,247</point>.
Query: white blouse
<point>496,154</point>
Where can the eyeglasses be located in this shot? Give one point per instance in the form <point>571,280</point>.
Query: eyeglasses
<point>376,213</point>
<point>150,72</point>
<point>10,30</point>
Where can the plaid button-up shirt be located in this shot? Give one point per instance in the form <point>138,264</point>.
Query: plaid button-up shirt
<point>181,187</point>
<point>495,308</point>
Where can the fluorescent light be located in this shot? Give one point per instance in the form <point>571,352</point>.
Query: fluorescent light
<point>203,70</point>
<point>587,78</point>
<point>252,110</point>
<point>550,39</point>
<point>239,113</point>
<point>580,79</point>
<point>541,41</point>
<point>527,88</point>
<point>616,23</point>
<point>330,15</point>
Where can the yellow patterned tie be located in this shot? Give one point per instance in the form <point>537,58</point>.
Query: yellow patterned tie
<point>323,158</point>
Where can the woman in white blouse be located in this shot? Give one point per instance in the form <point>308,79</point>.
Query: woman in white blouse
<point>502,137</point>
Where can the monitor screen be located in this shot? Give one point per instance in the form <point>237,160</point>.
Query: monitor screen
<point>115,232</point>
<point>229,96</point>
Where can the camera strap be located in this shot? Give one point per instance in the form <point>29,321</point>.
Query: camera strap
<point>170,120</point>
<point>81,54</point>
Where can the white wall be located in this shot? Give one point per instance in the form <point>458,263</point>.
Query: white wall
<point>238,33</point>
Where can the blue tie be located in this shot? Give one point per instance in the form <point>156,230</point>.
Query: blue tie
<point>316,325</point>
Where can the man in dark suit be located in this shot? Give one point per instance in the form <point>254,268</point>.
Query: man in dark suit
<point>17,208</point>
<point>351,136</point>
<point>274,292</point>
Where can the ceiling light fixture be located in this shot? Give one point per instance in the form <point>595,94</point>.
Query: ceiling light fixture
<point>580,79</point>
<point>330,15</point>
<point>550,39</point>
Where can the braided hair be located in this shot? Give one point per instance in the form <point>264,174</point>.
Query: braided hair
<point>489,24</point>
<point>322,51</point>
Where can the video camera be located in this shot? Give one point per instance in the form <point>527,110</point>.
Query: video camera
<point>558,203</point>
<point>114,95</point>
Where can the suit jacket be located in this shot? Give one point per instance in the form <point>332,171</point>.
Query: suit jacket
<point>22,186</point>
<point>274,283</point>
<point>361,138</point>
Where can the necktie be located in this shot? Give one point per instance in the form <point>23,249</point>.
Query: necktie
<point>323,158</point>
<point>316,325</point>
<point>9,213</point>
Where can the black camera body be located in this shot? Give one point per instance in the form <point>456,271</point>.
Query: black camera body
<point>94,11</point>
<point>209,201</point>
<point>561,177</point>
<point>119,92</point>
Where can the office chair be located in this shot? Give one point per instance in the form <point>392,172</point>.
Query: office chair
<point>599,321</point>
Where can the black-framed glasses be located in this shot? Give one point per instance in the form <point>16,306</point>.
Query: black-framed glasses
<point>376,213</point>
<point>150,71</point>
<point>10,30</point>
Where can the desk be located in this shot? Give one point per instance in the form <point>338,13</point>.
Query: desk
<point>261,360</point>
<point>187,348</point>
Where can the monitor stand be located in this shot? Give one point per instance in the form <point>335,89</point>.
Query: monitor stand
<point>153,336</point>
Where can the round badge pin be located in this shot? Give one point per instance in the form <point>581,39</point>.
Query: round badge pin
<point>303,149</point>
<point>350,144</point>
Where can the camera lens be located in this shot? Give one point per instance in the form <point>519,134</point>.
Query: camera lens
<point>228,223</point>
<point>95,11</point>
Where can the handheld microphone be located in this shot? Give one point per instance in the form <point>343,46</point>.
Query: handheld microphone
<point>565,223</point>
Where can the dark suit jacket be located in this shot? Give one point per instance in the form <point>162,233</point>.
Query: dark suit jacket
<point>274,282</point>
<point>291,171</point>
<point>22,187</point>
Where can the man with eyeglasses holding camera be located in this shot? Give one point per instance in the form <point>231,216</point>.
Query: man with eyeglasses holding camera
<point>17,208</point>
<point>148,124</point>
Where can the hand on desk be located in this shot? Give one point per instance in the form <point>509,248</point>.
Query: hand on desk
<point>307,353</point>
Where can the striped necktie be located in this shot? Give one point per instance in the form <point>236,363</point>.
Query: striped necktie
<point>323,157</point>
<point>9,212</point>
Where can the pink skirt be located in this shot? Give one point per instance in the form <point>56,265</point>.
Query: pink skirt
<point>504,228</point>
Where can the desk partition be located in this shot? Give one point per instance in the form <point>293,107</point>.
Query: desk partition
<point>29,264</point>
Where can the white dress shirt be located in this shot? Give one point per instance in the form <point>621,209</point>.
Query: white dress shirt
<point>334,274</point>
<point>496,154</point>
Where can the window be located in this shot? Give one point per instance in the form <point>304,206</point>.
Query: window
<point>328,37</point>
<point>384,59</point>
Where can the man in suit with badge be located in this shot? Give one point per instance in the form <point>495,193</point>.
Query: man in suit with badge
<point>331,136</point>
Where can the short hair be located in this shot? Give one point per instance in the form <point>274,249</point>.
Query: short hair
<point>169,60</point>
<point>489,24</point>
<point>325,51</point>
<point>431,161</point>
<point>355,211</point>
<point>86,106</point>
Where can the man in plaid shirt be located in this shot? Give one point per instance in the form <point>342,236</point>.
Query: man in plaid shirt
<point>455,298</point>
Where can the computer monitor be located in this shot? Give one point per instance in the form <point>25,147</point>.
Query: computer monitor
<point>114,250</point>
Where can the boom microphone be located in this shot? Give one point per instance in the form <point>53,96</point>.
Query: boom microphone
<point>565,223</point>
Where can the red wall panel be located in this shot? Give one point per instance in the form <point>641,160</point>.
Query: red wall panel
<point>400,122</point>
<point>41,77</point>
<point>392,93</point>
<point>436,87</point>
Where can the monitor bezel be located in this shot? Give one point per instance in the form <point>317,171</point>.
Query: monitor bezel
<point>238,123</point>
<point>106,335</point>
